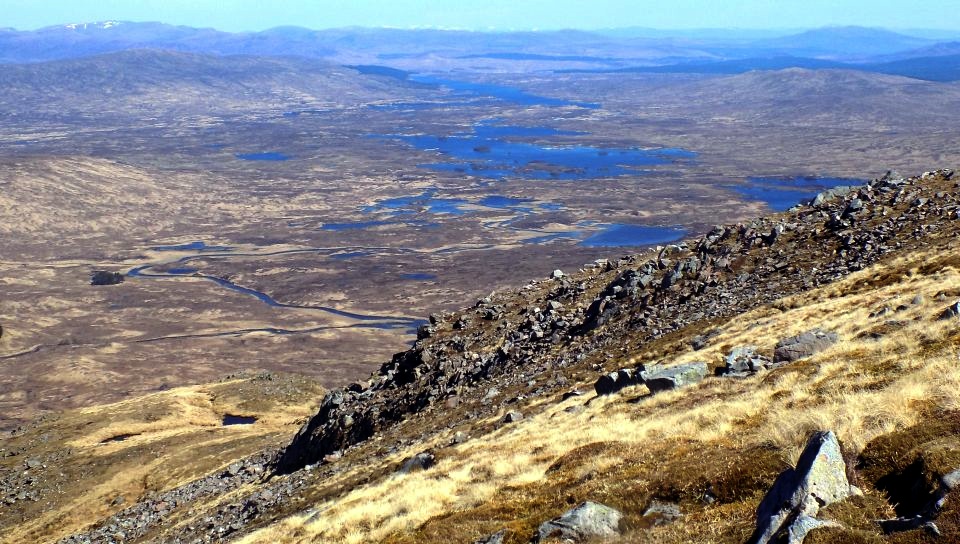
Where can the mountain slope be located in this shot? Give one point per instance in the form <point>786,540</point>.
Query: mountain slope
<point>429,48</point>
<point>150,80</point>
<point>799,97</point>
<point>848,41</point>
<point>498,394</point>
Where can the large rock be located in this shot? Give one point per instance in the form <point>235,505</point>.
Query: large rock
<point>830,194</point>
<point>589,520</point>
<point>420,461</point>
<point>803,345</point>
<point>613,382</point>
<point>675,376</point>
<point>743,361</point>
<point>952,311</point>
<point>662,513</point>
<point>789,510</point>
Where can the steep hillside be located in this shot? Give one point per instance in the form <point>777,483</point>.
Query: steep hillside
<point>615,384</point>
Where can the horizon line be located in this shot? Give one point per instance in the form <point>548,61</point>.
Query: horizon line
<point>491,30</point>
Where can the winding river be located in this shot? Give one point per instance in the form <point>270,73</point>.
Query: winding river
<point>180,270</point>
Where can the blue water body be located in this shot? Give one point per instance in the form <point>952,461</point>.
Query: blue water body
<point>269,156</point>
<point>418,276</point>
<point>551,206</point>
<point>633,235</point>
<point>192,246</point>
<point>500,201</point>
<point>401,202</point>
<point>502,92</point>
<point>415,203</point>
<point>490,153</point>
<point>183,271</point>
<point>230,419</point>
<point>781,194</point>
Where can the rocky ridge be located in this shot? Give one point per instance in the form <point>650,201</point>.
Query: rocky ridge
<point>507,340</point>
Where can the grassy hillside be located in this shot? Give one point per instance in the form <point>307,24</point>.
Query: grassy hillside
<point>70,469</point>
<point>726,439</point>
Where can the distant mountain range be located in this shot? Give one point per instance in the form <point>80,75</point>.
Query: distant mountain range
<point>146,81</point>
<point>439,49</point>
<point>945,67</point>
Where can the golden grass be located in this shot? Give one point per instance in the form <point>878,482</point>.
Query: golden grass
<point>861,388</point>
<point>177,436</point>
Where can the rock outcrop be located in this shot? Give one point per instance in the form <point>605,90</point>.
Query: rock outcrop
<point>527,343</point>
<point>588,521</point>
<point>803,345</point>
<point>420,461</point>
<point>613,382</point>
<point>952,311</point>
<point>743,361</point>
<point>656,378</point>
<point>507,338</point>
<point>674,377</point>
<point>789,510</point>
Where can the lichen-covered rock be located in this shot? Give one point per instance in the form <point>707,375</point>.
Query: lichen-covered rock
<point>589,520</point>
<point>675,376</point>
<point>819,479</point>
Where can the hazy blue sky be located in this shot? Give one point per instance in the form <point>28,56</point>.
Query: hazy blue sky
<point>235,15</point>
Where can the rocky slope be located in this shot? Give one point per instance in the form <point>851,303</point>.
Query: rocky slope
<point>512,376</point>
<point>510,339</point>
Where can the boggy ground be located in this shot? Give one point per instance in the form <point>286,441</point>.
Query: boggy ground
<point>881,277</point>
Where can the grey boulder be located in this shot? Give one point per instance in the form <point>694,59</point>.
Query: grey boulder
<point>675,376</point>
<point>803,345</point>
<point>589,520</point>
<point>788,511</point>
<point>662,513</point>
<point>952,311</point>
<point>420,461</point>
<point>743,361</point>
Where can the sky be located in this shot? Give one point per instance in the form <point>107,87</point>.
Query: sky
<point>253,15</point>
